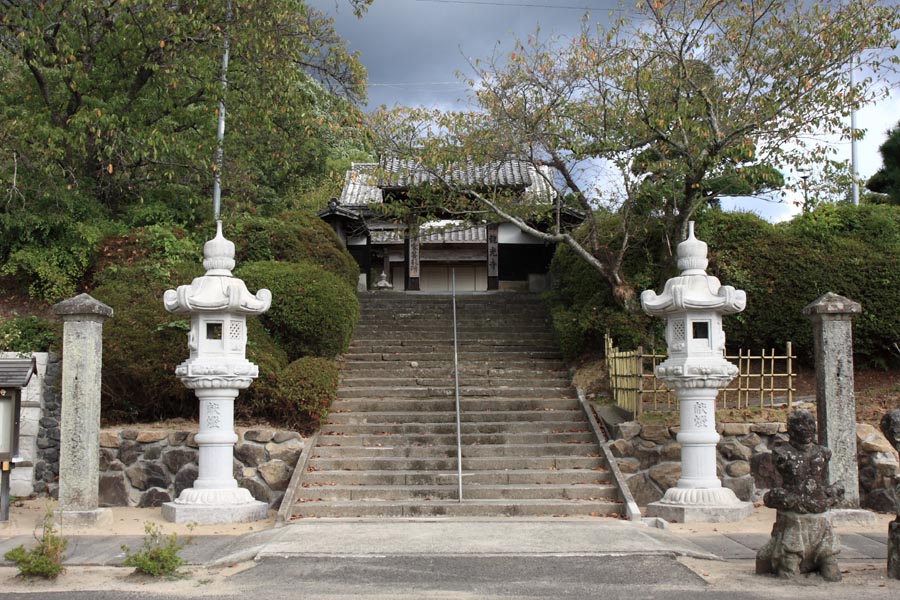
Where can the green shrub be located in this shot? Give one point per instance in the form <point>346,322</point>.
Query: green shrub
<point>143,343</point>
<point>854,252</point>
<point>255,402</point>
<point>583,309</point>
<point>306,389</point>
<point>785,267</point>
<point>29,334</point>
<point>46,250</point>
<point>313,311</point>
<point>158,555</point>
<point>293,236</point>
<point>45,559</point>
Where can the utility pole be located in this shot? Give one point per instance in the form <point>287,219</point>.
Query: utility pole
<point>854,158</point>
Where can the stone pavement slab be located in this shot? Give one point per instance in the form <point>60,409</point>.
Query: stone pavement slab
<point>724,547</point>
<point>862,546</point>
<point>475,536</point>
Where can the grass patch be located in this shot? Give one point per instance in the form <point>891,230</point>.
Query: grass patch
<point>158,555</point>
<point>45,560</point>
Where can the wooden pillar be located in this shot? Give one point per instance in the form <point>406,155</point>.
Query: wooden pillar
<point>493,257</point>
<point>412,263</point>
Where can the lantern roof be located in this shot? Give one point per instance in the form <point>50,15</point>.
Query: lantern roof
<point>218,290</point>
<point>693,290</point>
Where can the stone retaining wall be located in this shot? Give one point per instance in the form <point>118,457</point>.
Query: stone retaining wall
<point>147,467</point>
<point>650,458</point>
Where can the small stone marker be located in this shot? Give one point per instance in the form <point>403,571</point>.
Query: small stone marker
<point>890,426</point>
<point>803,540</point>
<point>835,401</point>
<point>79,458</point>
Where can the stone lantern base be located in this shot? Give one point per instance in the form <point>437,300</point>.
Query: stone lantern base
<point>210,507</point>
<point>213,515</point>
<point>700,505</point>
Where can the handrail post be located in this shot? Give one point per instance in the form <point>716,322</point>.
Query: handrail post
<point>456,390</point>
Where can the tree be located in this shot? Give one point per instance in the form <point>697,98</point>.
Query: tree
<point>688,100</point>
<point>886,181</point>
<point>107,111</point>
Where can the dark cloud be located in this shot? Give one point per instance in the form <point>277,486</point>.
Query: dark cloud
<point>412,48</point>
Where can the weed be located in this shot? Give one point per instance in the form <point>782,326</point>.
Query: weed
<point>44,560</point>
<point>158,555</point>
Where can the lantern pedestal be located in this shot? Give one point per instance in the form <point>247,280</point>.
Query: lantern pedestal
<point>699,497</point>
<point>215,496</point>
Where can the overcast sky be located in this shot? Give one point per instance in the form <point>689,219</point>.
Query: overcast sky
<point>412,48</point>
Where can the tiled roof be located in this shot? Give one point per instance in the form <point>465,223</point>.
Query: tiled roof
<point>364,182</point>
<point>404,173</point>
<point>452,235</point>
<point>360,185</point>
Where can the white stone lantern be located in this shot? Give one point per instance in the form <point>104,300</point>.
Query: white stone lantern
<point>693,304</point>
<point>216,370</point>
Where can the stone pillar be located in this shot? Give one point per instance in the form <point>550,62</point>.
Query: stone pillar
<point>835,401</point>
<point>79,468</point>
<point>493,256</point>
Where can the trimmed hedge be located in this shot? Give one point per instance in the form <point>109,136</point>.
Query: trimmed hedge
<point>313,311</point>
<point>306,389</point>
<point>143,343</point>
<point>851,251</point>
<point>293,236</point>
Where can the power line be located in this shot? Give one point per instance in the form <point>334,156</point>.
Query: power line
<point>520,5</point>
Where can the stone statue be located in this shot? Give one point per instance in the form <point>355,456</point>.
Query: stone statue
<point>890,427</point>
<point>803,540</point>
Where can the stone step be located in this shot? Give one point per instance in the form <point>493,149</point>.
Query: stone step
<point>475,463</point>
<point>447,357</point>
<point>415,417</point>
<point>332,493</point>
<point>462,347</point>
<point>336,450</point>
<point>376,368</point>
<point>506,366</point>
<point>449,438</point>
<point>473,404</point>
<point>575,427</point>
<point>396,393</point>
<point>559,380</point>
<point>452,508</point>
<point>504,477</point>
<point>410,330</point>
<point>509,337</point>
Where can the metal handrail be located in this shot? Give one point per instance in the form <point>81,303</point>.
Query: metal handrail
<point>456,390</point>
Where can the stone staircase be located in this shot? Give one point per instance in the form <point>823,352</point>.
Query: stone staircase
<point>388,448</point>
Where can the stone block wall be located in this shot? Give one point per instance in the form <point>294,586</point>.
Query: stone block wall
<point>650,458</point>
<point>147,467</point>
